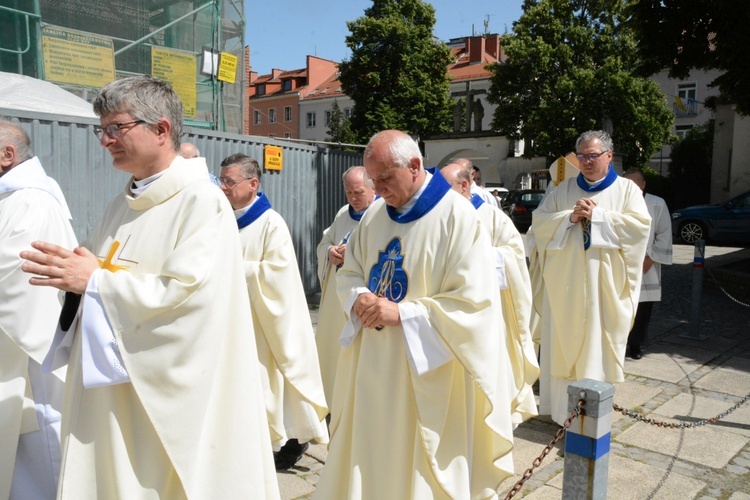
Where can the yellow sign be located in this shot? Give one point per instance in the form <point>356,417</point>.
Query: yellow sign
<point>274,158</point>
<point>180,70</point>
<point>227,67</point>
<point>77,58</point>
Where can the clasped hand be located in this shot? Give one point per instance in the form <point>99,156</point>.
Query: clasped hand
<point>336,254</point>
<point>376,312</point>
<point>584,209</point>
<point>59,267</point>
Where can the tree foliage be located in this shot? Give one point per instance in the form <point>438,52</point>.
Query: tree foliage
<point>339,127</point>
<point>697,34</point>
<point>396,74</point>
<point>568,70</point>
<point>690,166</point>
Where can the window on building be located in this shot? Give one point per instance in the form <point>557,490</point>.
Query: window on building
<point>686,103</point>
<point>682,130</point>
<point>348,112</point>
<point>287,113</point>
<point>271,136</point>
<point>287,135</point>
<point>328,117</point>
<point>260,89</point>
<point>310,119</point>
<point>272,115</point>
<point>256,117</point>
<point>286,85</point>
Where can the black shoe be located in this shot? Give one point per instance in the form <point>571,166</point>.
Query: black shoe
<point>289,454</point>
<point>636,353</point>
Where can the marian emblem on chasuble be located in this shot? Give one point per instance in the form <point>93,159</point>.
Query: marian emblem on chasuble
<point>387,277</point>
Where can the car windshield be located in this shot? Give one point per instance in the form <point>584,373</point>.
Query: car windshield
<point>532,197</point>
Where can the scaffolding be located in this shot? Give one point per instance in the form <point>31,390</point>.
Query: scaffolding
<point>43,38</point>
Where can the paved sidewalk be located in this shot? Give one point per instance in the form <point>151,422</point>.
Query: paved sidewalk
<point>678,380</point>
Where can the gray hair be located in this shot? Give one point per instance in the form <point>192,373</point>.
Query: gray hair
<point>249,168</point>
<point>401,148</point>
<point>146,98</point>
<point>13,135</point>
<point>360,170</point>
<point>596,134</point>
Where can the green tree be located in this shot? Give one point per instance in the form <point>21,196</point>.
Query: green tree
<point>568,70</point>
<point>696,34</point>
<point>339,127</point>
<point>690,168</point>
<point>396,74</point>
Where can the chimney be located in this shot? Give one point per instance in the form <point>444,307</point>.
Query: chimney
<point>476,49</point>
<point>493,45</point>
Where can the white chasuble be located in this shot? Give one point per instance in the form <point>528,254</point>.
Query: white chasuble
<point>446,433</point>
<point>191,422</point>
<point>586,298</point>
<point>32,208</point>
<point>516,302</point>
<point>293,391</point>
<point>331,317</point>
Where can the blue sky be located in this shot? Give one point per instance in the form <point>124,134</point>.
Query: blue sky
<point>282,33</point>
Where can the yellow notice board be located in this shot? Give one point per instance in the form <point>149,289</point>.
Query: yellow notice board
<point>274,158</point>
<point>77,58</point>
<point>227,67</point>
<point>180,69</point>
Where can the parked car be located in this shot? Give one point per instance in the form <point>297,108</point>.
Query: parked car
<point>728,222</point>
<point>519,204</point>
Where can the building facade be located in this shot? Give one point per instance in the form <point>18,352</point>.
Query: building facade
<point>81,45</point>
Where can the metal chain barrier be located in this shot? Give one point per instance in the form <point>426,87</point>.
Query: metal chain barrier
<point>682,425</point>
<point>716,281</point>
<point>538,460</point>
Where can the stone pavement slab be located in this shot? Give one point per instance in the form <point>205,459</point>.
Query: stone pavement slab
<point>669,366</point>
<point>689,408</point>
<point>703,445</point>
<point>725,381</point>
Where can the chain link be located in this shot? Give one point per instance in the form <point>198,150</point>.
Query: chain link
<point>716,281</point>
<point>682,425</point>
<point>538,460</point>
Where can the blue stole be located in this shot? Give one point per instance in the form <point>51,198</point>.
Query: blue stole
<point>354,215</point>
<point>608,180</point>
<point>477,201</point>
<point>432,194</point>
<point>260,207</point>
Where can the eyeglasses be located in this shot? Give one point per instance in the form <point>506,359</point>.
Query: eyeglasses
<point>114,130</point>
<point>229,182</point>
<point>590,156</point>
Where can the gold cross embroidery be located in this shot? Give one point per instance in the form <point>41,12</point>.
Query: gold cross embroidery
<point>107,263</point>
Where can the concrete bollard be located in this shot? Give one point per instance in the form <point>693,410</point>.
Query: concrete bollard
<point>587,441</point>
<point>695,299</point>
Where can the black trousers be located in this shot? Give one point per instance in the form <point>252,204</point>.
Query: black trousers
<point>637,336</point>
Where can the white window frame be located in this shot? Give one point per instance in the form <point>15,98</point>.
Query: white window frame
<point>311,119</point>
<point>257,117</point>
<point>288,113</point>
<point>271,115</point>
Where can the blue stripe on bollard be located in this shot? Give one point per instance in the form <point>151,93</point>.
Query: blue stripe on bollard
<point>587,447</point>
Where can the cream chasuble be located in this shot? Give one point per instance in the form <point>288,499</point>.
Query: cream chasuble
<point>32,208</point>
<point>446,433</point>
<point>293,391</point>
<point>331,317</point>
<point>516,301</point>
<point>586,299</point>
<point>191,421</point>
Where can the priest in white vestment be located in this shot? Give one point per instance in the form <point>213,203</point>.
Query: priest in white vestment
<point>331,252</point>
<point>163,396</point>
<point>292,387</point>
<point>590,235</point>
<point>515,292</point>
<point>658,252</point>
<point>32,207</point>
<point>421,406</point>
